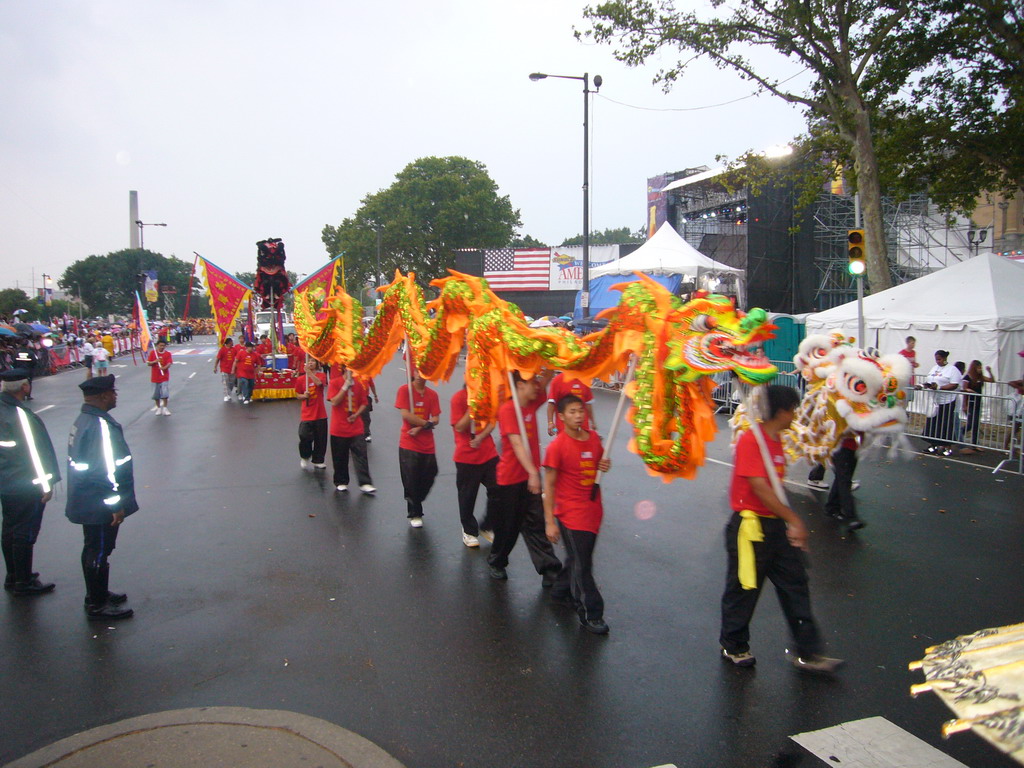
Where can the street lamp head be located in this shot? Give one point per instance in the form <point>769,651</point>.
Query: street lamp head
<point>537,76</point>
<point>598,80</point>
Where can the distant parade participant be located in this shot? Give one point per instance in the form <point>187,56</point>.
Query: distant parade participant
<point>244,370</point>
<point>100,360</point>
<point>371,398</point>
<point>573,511</point>
<point>765,539</point>
<point>159,362</point>
<point>225,360</point>
<point>88,348</point>
<point>476,464</point>
<point>101,493</point>
<point>348,399</point>
<point>264,347</point>
<point>108,343</point>
<point>28,472</point>
<point>294,352</point>
<point>309,389</point>
<point>417,459</point>
<point>559,388</point>
<point>518,508</point>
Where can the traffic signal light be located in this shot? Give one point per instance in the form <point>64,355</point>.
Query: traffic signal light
<point>855,252</point>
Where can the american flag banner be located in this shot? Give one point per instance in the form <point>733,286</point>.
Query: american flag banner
<point>518,269</point>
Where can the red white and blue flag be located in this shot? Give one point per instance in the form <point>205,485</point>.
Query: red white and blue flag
<point>518,269</point>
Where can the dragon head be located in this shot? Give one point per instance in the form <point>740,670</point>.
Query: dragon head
<point>869,390</point>
<point>711,335</point>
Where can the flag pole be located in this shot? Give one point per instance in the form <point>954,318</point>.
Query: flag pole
<point>192,274</point>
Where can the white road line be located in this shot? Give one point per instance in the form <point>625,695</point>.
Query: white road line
<point>873,742</point>
<point>44,408</point>
<point>192,374</point>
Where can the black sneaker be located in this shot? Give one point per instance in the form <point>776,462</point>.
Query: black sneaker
<point>856,524</point>
<point>816,663</point>
<point>742,659</point>
<point>498,573</point>
<point>116,598</point>
<point>594,626</point>
<point>108,612</point>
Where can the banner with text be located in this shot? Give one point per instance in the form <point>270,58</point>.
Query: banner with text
<point>567,264</point>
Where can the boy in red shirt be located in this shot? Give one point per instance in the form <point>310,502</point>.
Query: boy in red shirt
<point>348,404</point>
<point>244,370</point>
<point>159,363</point>
<point>309,390</point>
<point>518,507</point>
<point>417,460</point>
<point>560,387</point>
<point>765,538</point>
<point>571,463</point>
<point>476,464</point>
<point>225,360</point>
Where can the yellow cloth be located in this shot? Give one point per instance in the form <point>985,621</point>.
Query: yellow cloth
<point>273,394</point>
<point>749,532</point>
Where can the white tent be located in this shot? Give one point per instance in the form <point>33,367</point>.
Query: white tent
<point>666,253</point>
<point>974,309</point>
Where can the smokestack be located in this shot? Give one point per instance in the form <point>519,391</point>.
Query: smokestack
<point>133,216</point>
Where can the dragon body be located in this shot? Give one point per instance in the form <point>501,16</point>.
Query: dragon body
<point>676,345</point>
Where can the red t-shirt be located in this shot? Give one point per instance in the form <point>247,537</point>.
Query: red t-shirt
<point>750,464</point>
<point>156,373</point>
<point>313,406</point>
<point>560,387</point>
<point>226,357</point>
<point>510,471</point>
<point>264,348</point>
<point>350,403</point>
<point>425,406</point>
<point>911,356</point>
<point>464,454</point>
<point>246,360</point>
<point>576,464</point>
<point>295,355</point>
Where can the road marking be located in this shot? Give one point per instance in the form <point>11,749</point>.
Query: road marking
<point>873,742</point>
<point>192,374</point>
<point>44,408</point>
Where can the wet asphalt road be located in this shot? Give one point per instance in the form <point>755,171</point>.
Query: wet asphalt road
<point>256,585</point>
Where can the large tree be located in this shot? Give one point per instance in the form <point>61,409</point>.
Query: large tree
<point>860,53</point>
<point>616,236</point>
<point>108,283</point>
<point>435,206</point>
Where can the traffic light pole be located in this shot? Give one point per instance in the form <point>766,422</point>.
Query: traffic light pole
<point>860,278</point>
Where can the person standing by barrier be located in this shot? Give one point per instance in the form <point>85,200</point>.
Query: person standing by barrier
<point>28,472</point>
<point>974,382</point>
<point>88,348</point>
<point>940,428</point>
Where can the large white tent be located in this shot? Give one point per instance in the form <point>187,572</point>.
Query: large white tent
<point>974,309</point>
<point>666,253</point>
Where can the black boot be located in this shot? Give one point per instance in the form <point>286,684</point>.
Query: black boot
<point>26,583</point>
<point>97,606</point>
<point>115,598</point>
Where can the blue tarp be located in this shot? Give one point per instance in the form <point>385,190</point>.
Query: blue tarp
<point>602,296</point>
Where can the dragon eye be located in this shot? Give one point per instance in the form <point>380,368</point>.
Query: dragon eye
<point>856,384</point>
<point>703,323</point>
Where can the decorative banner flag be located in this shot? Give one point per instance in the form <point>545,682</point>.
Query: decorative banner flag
<point>227,294</point>
<point>145,337</point>
<point>321,283</point>
<point>152,286</point>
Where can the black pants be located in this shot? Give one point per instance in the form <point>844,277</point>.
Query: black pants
<point>366,416</point>
<point>468,479</point>
<point>341,447</point>
<point>783,565</point>
<point>22,519</point>
<point>418,473</point>
<point>577,576</point>
<point>973,417</point>
<point>840,496</point>
<point>313,440</point>
<point>817,472</point>
<point>99,542</point>
<point>517,511</point>
<point>942,426</point>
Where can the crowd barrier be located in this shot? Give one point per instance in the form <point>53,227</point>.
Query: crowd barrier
<point>62,356</point>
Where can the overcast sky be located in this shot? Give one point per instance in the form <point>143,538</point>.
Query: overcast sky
<point>237,120</point>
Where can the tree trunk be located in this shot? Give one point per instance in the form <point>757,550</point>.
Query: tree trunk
<point>866,164</point>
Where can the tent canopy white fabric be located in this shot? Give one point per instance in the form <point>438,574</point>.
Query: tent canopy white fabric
<point>666,253</point>
<point>974,309</point>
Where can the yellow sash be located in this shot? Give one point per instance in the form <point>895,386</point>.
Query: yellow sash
<point>749,532</point>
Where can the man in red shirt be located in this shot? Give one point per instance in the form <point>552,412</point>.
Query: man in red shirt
<point>518,507</point>
<point>264,348</point>
<point>571,464</point>
<point>244,369</point>
<point>476,464</point>
<point>560,387</point>
<point>309,389</point>
<point>765,538</point>
<point>159,362</point>
<point>225,360</point>
<point>909,353</point>
<point>417,460</point>
<point>348,403</point>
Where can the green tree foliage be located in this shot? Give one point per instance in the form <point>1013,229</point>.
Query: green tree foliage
<point>608,237</point>
<point>860,53</point>
<point>527,241</point>
<point>435,206</point>
<point>15,298</point>
<point>109,282</point>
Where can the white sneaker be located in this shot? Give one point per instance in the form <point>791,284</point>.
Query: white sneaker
<point>155,409</point>
<point>166,411</point>
<point>319,466</point>
<point>246,402</point>
<point>341,488</point>
<point>367,488</point>
<point>488,535</point>
<point>369,438</point>
<point>855,485</point>
<point>819,484</point>
<point>470,541</point>
<point>304,463</point>
<point>416,522</point>
<point>227,398</point>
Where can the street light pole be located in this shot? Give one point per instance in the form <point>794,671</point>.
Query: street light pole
<point>975,237</point>
<point>585,292</point>
<point>78,285</point>
<point>142,239</point>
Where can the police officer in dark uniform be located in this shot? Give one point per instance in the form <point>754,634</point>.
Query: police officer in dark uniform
<point>28,472</point>
<point>25,359</point>
<point>101,493</point>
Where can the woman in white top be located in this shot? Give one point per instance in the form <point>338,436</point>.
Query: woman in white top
<point>940,429</point>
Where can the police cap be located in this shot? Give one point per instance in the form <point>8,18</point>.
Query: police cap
<point>15,374</point>
<point>97,384</point>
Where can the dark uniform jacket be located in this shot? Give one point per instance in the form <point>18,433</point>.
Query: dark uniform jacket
<point>100,482</point>
<point>18,472</point>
